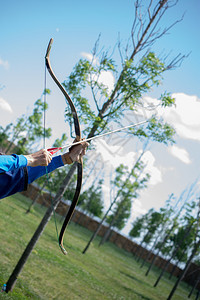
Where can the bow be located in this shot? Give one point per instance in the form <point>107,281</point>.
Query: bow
<point>78,138</point>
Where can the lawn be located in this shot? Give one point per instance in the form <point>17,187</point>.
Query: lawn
<point>102,273</point>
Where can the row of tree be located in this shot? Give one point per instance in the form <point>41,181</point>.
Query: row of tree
<point>172,233</point>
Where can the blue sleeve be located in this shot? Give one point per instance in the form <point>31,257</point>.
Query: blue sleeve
<point>13,181</point>
<point>36,172</point>
<point>12,162</point>
<point>16,180</point>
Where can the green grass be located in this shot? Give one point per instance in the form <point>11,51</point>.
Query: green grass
<point>102,273</point>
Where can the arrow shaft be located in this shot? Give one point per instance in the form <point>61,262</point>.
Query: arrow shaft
<point>102,135</point>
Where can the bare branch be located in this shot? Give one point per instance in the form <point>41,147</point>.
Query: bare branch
<point>148,34</point>
<point>94,96</point>
<point>154,35</point>
<point>177,61</point>
<point>149,9</point>
<point>119,49</point>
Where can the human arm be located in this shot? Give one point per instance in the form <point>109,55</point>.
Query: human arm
<point>74,154</point>
<point>44,157</point>
<point>16,171</point>
<point>12,162</point>
<point>39,158</point>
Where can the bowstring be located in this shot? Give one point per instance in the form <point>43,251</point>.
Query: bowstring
<point>44,146</point>
<point>44,108</point>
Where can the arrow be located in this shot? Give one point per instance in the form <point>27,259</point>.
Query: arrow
<point>56,149</point>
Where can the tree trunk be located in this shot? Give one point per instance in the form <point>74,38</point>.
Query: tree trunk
<point>173,254</point>
<point>107,234</point>
<point>110,207</point>
<point>185,270</point>
<point>36,198</point>
<point>194,286</point>
<point>138,250</point>
<point>156,255</point>
<point>99,227</point>
<point>17,270</point>
<point>198,294</point>
<point>143,249</point>
<point>174,268</point>
<point>11,143</point>
<point>149,253</point>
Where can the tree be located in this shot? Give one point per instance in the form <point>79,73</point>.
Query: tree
<point>128,185</point>
<point>17,134</point>
<point>118,218</point>
<point>28,130</point>
<point>138,226</point>
<point>196,281</point>
<point>166,213</point>
<point>140,71</point>
<point>4,135</point>
<point>125,188</point>
<point>183,239</point>
<point>194,250</point>
<point>185,234</point>
<point>162,245</point>
<point>140,230</point>
<point>91,200</point>
<point>153,224</point>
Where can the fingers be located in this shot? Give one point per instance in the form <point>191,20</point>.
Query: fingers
<point>46,157</point>
<point>84,146</point>
<point>39,158</point>
<point>76,152</point>
<point>42,157</point>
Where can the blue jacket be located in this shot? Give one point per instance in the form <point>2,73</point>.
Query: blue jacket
<point>15,175</point>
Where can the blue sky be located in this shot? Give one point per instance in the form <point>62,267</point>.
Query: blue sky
<point>27,26</point>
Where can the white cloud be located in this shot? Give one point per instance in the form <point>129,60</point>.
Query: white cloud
<point>136,211</point>
<point>113,156</point>
<point>106,77</point>
<point>149,107</point>
<point>138,208</point>
<point>154,172</point>
<point>4,64</point>
<point>90,57</point>
<point>4,105</point>
<point>185,116</point>
<point>187,108</point>
<point>180,153</point>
